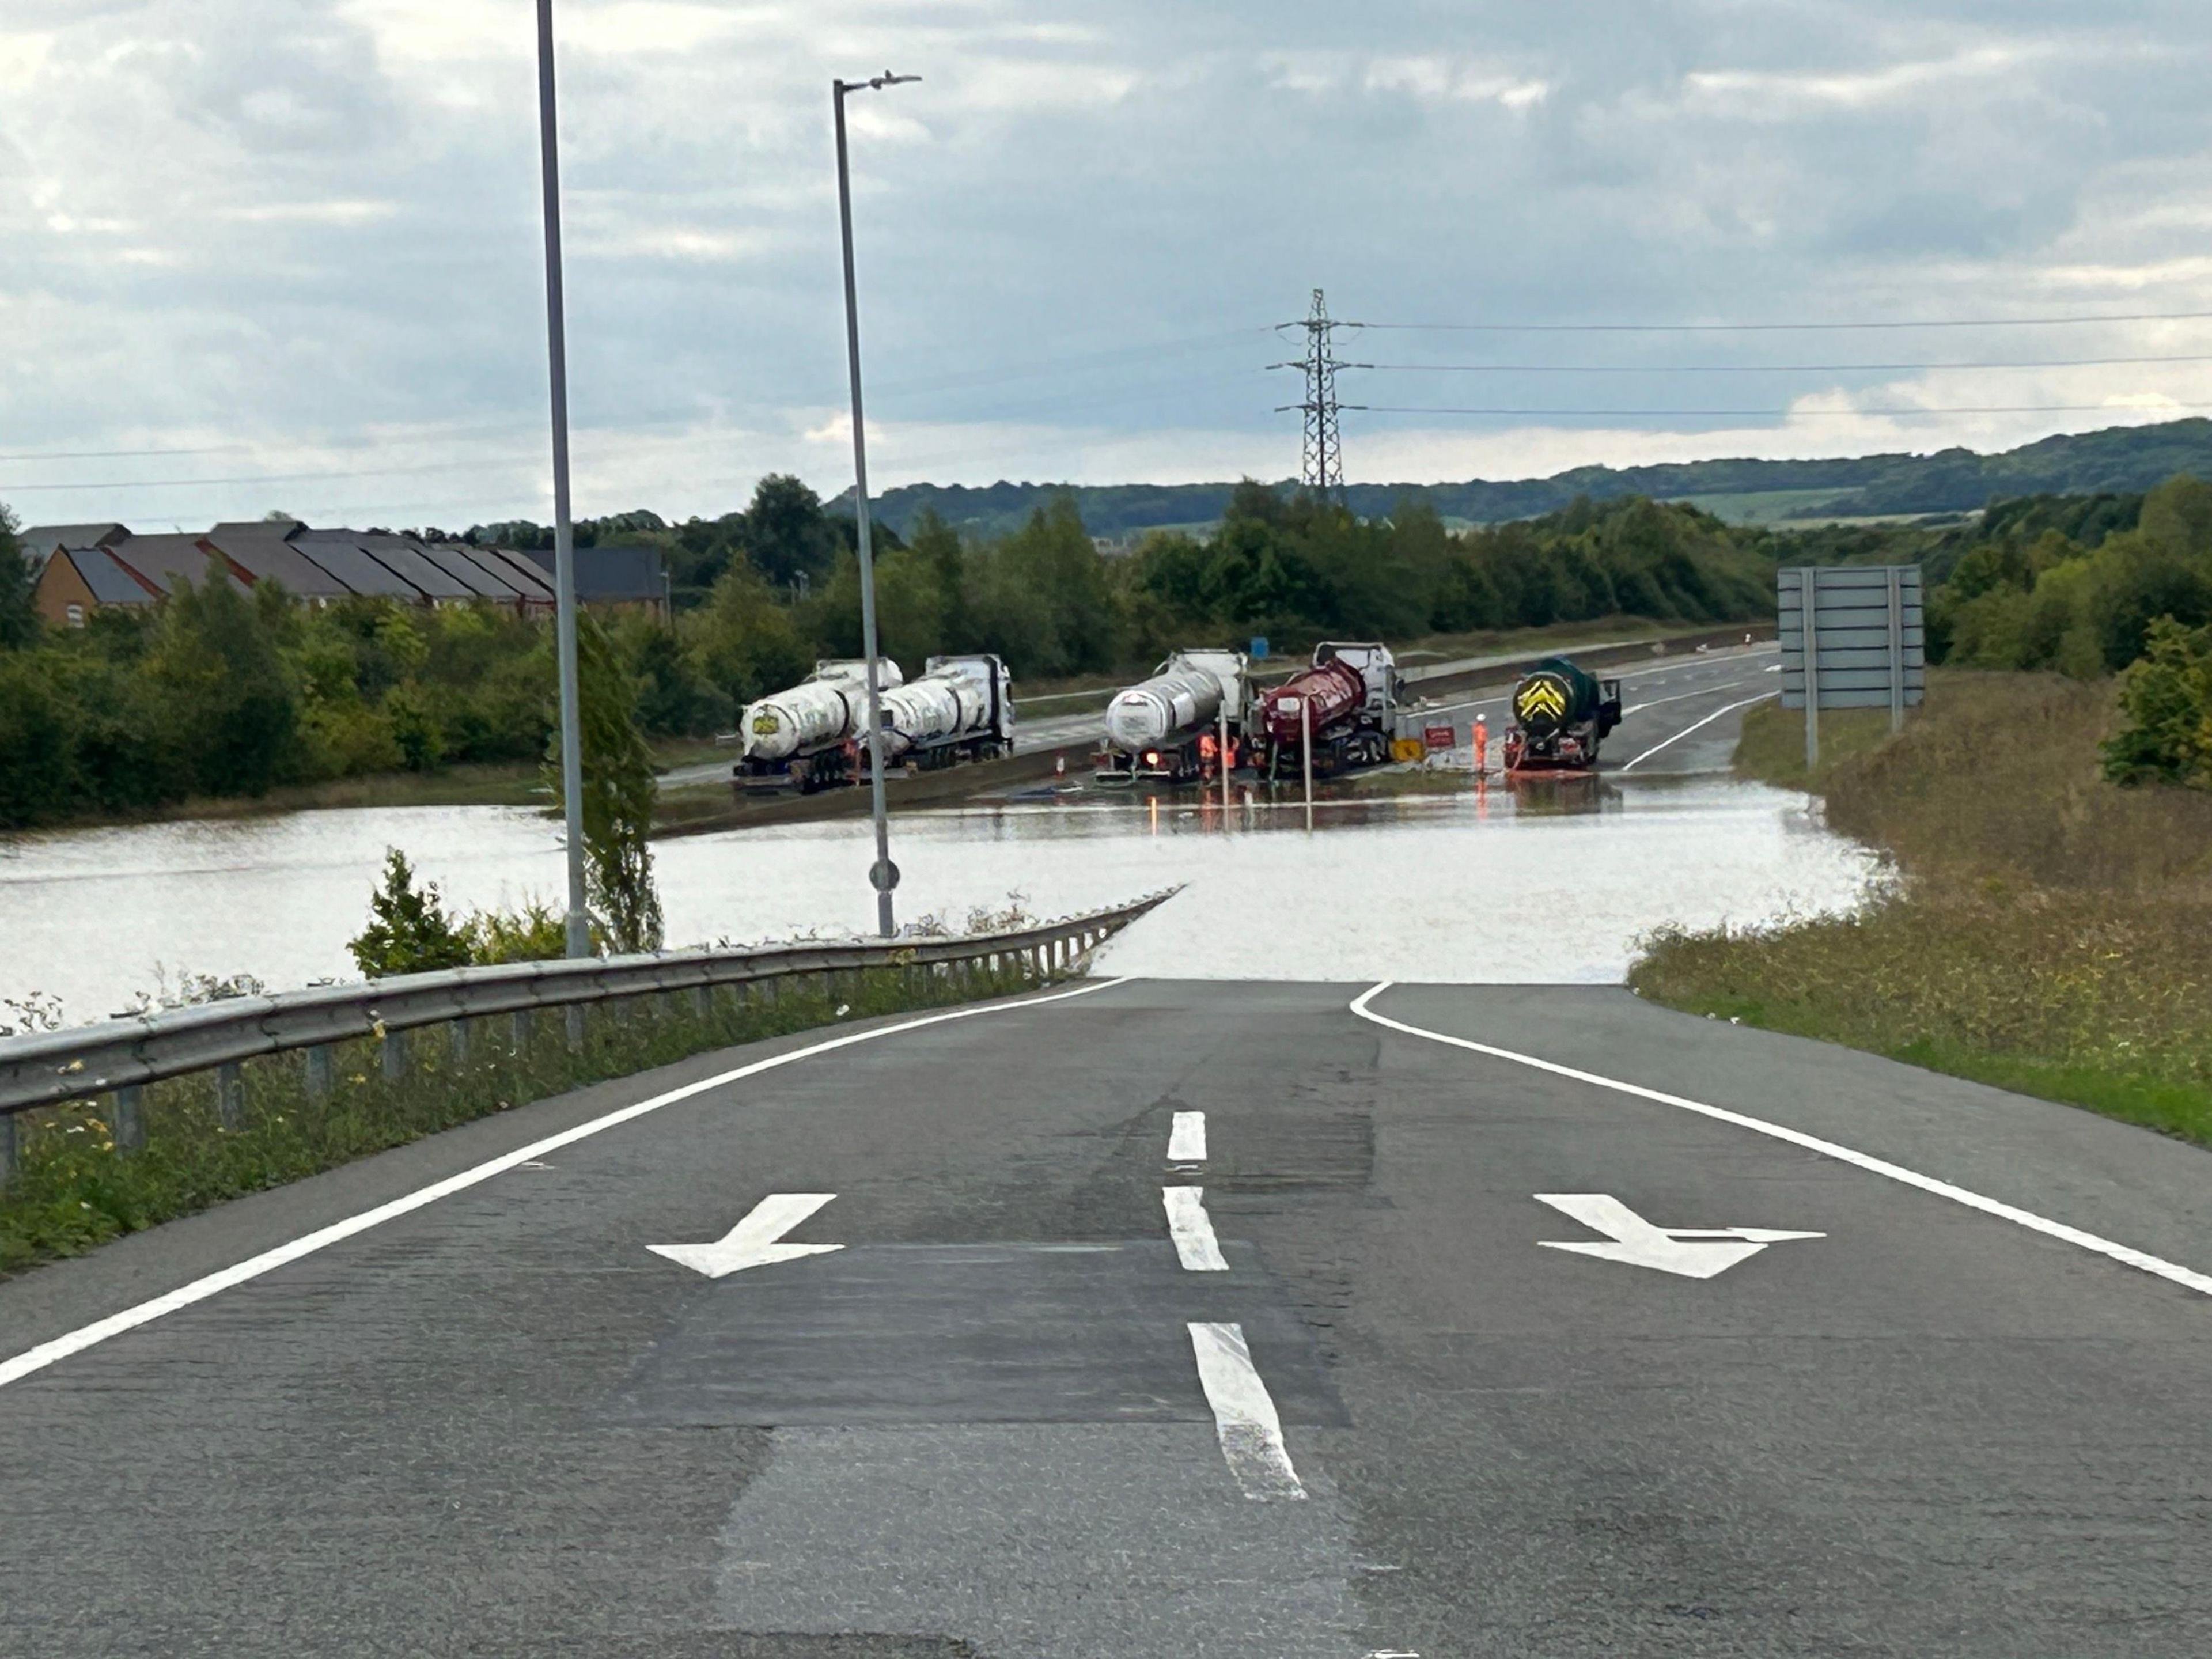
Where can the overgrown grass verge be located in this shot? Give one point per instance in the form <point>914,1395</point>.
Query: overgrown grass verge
<point>1773,746</point>
<point>74,1189</point>
<point>2047,932</point>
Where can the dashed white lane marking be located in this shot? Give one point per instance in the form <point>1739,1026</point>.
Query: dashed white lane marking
<point>76,1341</point>
<point>1192,1231</point>
<point>1726,709</point>
<point>2188,1278</point>
<point>1187,1141</point>
<point>1244,1419</point>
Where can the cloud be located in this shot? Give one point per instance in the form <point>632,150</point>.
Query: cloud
<point>309,229</point>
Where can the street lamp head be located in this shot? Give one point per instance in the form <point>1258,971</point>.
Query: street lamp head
<point>875,83</point>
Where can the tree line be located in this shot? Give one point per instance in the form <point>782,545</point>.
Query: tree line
<point>224,693</point>
<point>2087,586</point>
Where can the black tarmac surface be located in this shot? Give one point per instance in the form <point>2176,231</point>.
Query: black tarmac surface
<point>501,1424</point>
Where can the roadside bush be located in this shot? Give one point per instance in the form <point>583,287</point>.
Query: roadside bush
<point>534,933</point>
<point>2166,701</point>
<point>409,931</point>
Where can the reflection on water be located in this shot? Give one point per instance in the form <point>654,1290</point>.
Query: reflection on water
<point>1552,879</point>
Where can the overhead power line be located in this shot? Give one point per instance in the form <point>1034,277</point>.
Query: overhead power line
<point>1820,414</point>
<point>265,477</point>
<point>1787,328</point>
<point>118,454</point>
<point>1775,368</point>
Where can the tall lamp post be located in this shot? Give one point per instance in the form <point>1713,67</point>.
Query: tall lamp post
<point>564,549</point>
<point>883,877</point>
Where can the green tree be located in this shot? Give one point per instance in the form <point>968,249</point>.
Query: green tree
<point>37,756</point>
<point>232,704</point>
<point>785,534</point>
<point>19,622</point>
<point>744,643</point>
<point>936,547</point>
<point>408,931</point>
<point>619,791</point>
<point>2166,700</point>
<point>674,698</point>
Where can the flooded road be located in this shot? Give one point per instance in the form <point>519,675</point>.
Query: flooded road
<point>1550,882</point>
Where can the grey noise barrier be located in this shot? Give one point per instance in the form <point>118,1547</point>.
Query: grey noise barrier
<point>50,1068</point>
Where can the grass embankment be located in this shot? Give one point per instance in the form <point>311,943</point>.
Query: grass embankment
<point>2048,932</point>
<point>74,1189</point>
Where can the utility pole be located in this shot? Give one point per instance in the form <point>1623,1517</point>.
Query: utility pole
<point>1321,454</point>
<point>883,876</point>
<point>564,549</point>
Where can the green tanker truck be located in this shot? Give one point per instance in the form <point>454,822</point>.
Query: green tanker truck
<point>1560,714</point>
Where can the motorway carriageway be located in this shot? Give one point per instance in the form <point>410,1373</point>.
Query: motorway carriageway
<point>1061,731</point>
<point>1248,1321</point>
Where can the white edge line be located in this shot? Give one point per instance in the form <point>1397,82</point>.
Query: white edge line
<point>1187,1139</point>
<point>1686,730</point>
<point>1244,1417</point>
<point>2188,1278</point>
<point>76,1341</point>
<point>1683,697</point>
<point>1192,1229</point>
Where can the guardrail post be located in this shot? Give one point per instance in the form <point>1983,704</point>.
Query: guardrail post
<point>395,1055</point>
<point>229,1094</point>
<point>702,1001</point>
<point>318,1069</point>
<point>130,1125</point>
<point>457,1036</point>
<point>6,1149</point>
<point>575,1021</point>
<point>518,1029</point>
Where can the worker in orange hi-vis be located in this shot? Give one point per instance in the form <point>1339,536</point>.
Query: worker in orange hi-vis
<point>1208,752</point>
<point>1481,740</point>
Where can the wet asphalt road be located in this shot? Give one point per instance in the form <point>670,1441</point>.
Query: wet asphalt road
<point>501,1423</point>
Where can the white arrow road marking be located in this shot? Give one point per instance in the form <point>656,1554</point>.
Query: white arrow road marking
<point>1691,1252</point>
<point>753,1242</point>
<point>32,1360</point>
<point>1187,1141</point>
<point>1191,1229</point>
<point>2142,1260</point>
<point>1244,1419</point>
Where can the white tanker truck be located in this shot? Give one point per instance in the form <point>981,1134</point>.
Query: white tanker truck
<point>808,737</point>
<point>962,707</point>
<point>814,735</point>
<point>1158,730</point>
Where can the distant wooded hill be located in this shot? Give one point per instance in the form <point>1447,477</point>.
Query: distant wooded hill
<point>2119,459</point>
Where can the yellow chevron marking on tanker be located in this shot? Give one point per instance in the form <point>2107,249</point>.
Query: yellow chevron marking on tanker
<point>1543,697</point>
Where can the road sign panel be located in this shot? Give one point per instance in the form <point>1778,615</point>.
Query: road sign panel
<point>1852,636</point>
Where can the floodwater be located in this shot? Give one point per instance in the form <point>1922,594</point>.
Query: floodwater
<point>1544,884</point>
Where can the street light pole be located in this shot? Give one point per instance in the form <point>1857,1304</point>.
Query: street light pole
<point>883,877</point>
<point>564,549</point>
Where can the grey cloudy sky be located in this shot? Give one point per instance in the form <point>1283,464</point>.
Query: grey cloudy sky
<point>293,243</point>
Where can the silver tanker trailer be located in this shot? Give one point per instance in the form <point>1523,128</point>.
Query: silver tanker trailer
<point>961,708</point>
<point>809,736</point>
<point>1160,729</point>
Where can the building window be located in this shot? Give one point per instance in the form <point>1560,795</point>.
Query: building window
<point>77,616</point>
